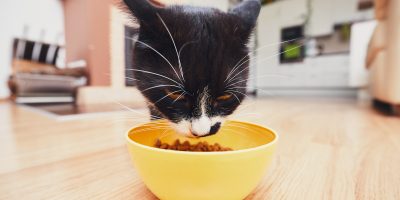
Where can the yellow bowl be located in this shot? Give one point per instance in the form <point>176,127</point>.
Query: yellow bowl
<point>179,175</point>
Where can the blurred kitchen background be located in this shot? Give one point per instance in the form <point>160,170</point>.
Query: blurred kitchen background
<point>70,56</point>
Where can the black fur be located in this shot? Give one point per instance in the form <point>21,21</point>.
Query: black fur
<point>214,42</point>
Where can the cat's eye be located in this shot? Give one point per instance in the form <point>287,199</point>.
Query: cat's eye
<point>224,97</point>
<point>176,96</point>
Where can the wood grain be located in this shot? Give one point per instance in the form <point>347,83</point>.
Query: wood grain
<point>328,149</point>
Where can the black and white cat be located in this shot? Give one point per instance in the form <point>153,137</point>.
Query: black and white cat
<point>191,63</point>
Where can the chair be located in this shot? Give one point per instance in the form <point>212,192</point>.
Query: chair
<point>383,57</point>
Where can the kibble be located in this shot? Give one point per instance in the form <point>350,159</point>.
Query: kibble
<point>186,146</point>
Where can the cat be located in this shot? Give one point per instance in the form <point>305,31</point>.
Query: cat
<point>191,63</point>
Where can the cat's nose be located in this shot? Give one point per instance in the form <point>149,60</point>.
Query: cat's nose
<point>213,130</point>
<point>201,127</point>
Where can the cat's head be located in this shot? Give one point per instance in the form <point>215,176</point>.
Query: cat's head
<point>199,77</point>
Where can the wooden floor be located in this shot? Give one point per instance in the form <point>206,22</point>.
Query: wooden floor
<point>328,149</point>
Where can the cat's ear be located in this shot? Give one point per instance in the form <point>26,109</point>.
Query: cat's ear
<point>248,10</point>
<point>144,10</point>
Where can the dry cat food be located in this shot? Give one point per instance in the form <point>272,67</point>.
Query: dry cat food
<point>186,146</point>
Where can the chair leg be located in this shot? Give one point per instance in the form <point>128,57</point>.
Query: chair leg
<point>386,108</point>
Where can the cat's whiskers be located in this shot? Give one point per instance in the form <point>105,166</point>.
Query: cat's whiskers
<point>173,41</point>
<point>237,98</point>
<point>150,124</point>
<point>132,110</point>
<point>172,67</point>
<point>153,124</point>
<point>256,50</point>
<point>235,83</point>
<point>132,79</point>
<point>184,45</point>
<point>183,93</point>
<point>267,75</point>
<point>180,86</point>
<point>257,88</point>
<point>244,80</point>
<point>234,68</point>
<point>262,60</point>
<point>129,78</point>
<point>158,86</point>
<point>127,107</point>
<point>157,74</point>
<point>243,107</point>
<point>237,92</point>
<point>138,119</point>
<point>131,122</point>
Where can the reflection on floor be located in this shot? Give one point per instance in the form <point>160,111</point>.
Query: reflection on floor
<point>71,110</point>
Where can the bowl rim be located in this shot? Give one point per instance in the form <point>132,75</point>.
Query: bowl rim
<point>196,153</point>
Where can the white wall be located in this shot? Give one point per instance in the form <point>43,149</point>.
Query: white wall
<point>38,16</point>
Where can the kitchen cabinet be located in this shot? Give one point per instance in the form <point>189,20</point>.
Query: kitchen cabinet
<point>321,19</point>
<point>321,73</point>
